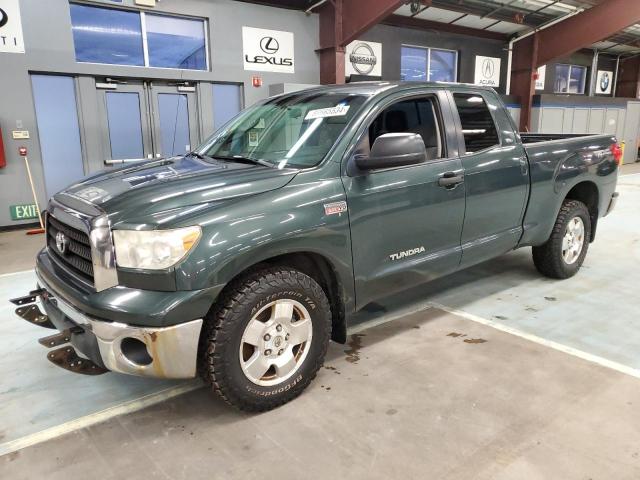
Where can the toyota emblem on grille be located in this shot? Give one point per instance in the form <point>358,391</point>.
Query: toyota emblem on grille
<point>61,242</point>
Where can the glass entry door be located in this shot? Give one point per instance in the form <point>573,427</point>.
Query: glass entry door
<point>174,119</point>
<point>144,120</point>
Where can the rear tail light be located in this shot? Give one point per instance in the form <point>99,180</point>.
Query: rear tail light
<point>616,150</point>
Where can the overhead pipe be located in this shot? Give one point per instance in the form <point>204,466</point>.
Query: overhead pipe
<point>615,77</point>
<point>528,34</point>
<point>312,7</point>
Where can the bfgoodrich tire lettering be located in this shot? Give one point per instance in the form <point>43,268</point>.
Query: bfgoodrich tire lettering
<point>548,258</point>
<point>226,326</point>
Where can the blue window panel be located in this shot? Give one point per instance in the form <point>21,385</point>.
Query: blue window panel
<point>125,126</point>
<point>176,42</point>
<point>57,118</point>
<point>227,103</point>
<point>443,66</point>
<point>174,124</point>
<point>413,64</point>
<point>106,35</point>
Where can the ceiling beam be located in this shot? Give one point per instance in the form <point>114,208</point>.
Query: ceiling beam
<point>593,25</point>
<point>360,15</point>
<point>421,24</point>
<point>341,22</point>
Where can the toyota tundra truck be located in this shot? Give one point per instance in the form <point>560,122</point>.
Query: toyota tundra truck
<point>240,260</point>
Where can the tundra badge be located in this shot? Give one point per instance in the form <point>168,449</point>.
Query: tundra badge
<point>406,253</point>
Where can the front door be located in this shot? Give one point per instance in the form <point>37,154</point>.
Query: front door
<point>146,120</point>
<point>405,226</point>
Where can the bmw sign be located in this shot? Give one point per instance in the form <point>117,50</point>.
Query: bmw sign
<point>604,82</point>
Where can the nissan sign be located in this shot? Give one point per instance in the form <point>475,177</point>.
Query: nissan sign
<point>268,50</point>
<point>363,58</point>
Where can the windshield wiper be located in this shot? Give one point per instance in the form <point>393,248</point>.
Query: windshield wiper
<point>198,155</point>
<point>240,158</point>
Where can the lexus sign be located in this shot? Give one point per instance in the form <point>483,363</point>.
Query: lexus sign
<point>267,50</point>
<point>11,39</point>
<point>487,71</point>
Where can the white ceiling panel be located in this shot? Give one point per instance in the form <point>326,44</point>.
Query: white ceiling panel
<point>601,45</point>
<point>472,21</point>
<point>623,49</point>
<point>404,10</point>
<point>438,15</point>
<point>507,28</point>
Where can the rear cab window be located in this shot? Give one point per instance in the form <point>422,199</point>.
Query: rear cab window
<point>478,126</point>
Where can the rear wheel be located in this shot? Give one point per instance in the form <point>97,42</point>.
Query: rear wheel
<point>563,254</point>
<point>266,339</point>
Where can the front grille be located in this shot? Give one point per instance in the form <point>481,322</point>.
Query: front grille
<point>77,255</point>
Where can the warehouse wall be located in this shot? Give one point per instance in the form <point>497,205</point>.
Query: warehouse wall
<point>583,58</point>
<point>49,49</point>
<point>393,38</point>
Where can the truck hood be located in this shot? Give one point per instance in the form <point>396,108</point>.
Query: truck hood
<point>158,186</point>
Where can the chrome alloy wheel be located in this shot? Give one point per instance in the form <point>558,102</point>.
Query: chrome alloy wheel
<point>573,240</point>
<point>275,342</point>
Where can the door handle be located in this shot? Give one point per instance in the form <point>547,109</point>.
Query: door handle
<point>450,179</point>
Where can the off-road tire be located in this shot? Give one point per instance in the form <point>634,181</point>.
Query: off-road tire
<point>548,257</point>
<point>219,362</point>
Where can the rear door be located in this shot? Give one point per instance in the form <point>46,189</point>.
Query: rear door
<point>496,176</point>
<point>405,227</point>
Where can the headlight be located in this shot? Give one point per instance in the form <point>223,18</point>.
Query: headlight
<point>153,249</point>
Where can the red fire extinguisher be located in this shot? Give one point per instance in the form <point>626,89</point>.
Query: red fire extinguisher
<point>3,158</point>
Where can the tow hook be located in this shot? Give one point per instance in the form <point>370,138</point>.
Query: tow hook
<point>56,340</point>
<point>33,295</point>
<point>29,311</point>
<point>67,358</point>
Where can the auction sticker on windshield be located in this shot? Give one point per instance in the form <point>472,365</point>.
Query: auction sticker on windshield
<point>337,111</point>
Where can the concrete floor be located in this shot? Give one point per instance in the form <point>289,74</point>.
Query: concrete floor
<point>409,398</point>
<point>18,250</point>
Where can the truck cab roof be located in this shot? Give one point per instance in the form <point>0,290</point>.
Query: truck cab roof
<point>371,88</point>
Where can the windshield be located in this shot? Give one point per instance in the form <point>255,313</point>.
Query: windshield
<point>295,131</point>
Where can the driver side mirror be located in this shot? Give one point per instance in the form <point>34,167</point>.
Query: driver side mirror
<point>394,150</point>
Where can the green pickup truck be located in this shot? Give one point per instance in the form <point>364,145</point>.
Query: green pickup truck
<point>239,261</point>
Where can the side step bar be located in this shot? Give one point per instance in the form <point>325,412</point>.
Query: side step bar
<point>67,358</point>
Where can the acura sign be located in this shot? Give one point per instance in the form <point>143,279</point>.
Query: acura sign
<point>267,50</point>
<point>11,39</point>
<point>487,71</point>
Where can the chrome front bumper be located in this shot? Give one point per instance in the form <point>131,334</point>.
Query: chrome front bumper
<point>167,352</point>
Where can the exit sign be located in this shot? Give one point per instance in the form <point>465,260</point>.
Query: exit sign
<point>23,212</point>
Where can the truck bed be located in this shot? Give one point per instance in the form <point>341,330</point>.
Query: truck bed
<point>545,137</point>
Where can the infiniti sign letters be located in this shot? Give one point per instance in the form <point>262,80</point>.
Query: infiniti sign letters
<point>11,39</point>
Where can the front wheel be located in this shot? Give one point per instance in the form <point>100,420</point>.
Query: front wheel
<point>563,254</point>
<point>266,339</point>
